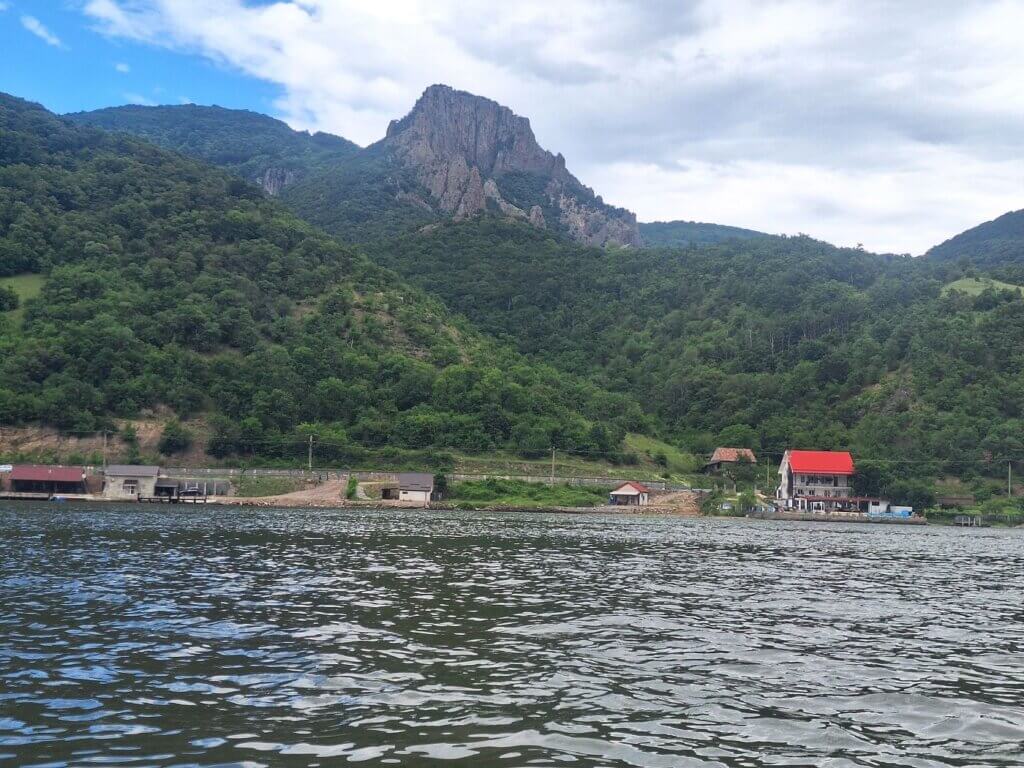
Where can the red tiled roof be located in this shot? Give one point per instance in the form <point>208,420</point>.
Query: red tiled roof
<point>635,486</point>
<point>822,462</point>
<point>732,454</point>
<point>39,473</point>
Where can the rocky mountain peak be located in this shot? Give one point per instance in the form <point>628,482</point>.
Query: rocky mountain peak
<point>473,154</point>
<point>488,136</point>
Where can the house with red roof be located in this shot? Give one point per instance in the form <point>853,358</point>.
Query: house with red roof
<point>47,480</point>
<point>723,458</point>
<point>631,494</point>
<point>817,481</point>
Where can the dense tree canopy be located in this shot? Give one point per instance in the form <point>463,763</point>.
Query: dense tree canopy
<point>723,335</point>
<point>771,342</point>
<point>171,284</point>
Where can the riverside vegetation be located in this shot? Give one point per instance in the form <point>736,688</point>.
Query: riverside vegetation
<point>486,333</point>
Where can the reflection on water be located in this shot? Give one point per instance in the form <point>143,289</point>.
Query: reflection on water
<point>136,636</point>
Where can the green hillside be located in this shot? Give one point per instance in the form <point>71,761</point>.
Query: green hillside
<point>683,233</point>
<point>173,285</point>
<point>772,342</point>
<point>728,336</point>
<point>995,243</point>
<point>245,142</point>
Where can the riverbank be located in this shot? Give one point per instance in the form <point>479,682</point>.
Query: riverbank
<point>831,517</point>
<point>331,496</point>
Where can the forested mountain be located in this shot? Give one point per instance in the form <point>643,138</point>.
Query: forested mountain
<point>770,342</point>
<point>670,233</point>
<point>171,284</point>
<point>997,243</point>
<point>734,337</point>
<point>258,148</point>
<point>454,155</point>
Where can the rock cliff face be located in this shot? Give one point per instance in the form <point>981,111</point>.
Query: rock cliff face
<point>273,180</point>
<point>472,155</point>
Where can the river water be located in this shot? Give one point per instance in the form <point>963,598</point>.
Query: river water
<point>157,636</point>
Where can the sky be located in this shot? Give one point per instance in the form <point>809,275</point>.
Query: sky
<point>889,124</point>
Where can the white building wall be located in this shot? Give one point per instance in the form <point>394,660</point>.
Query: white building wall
<point>420,496</point>
<point>115,487</point>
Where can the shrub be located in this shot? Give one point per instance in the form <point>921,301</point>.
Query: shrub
<point>8,299</point>
<point>175,438</point>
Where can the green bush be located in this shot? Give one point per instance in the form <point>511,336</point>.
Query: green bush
<point>175,438</point>
<point>8,299</point>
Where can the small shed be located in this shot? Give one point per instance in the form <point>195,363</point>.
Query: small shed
<point>48,480</point>
<point>723,457</point>
<point>415,486</point>
<point>631,494</point>
<point>130,481</point>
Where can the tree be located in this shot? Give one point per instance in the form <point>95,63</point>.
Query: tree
<point>918,494</point>
<point>746,502</point>
<point>738,436</point>
<point>174,438</point>
<point>441,484</point>
<point>8,299</point>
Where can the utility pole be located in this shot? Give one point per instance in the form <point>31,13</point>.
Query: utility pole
<point>1009,478</point>
<point>552,465</point>
<point>309,460</point>
<point>104,449</point>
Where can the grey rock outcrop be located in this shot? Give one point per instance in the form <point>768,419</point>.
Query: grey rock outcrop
<point>460,147</point>
<point>273,180</point>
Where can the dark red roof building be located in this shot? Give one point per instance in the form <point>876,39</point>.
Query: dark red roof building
<point>630,494</point>
<point>42,479</point>
<point>724,456</point>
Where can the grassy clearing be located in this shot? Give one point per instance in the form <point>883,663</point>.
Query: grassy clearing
<point>516,493</point>
<point>27,287</point>
<point>975,286</point>
<point>654,451</point>
<point>253,485</point>
<point>647,451</point>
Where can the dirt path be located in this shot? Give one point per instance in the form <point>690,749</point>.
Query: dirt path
<point>677,503</point>
<point>329,494</point>
<point>332,495</point>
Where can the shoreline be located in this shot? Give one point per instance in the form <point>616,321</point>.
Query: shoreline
<point>278,502</point>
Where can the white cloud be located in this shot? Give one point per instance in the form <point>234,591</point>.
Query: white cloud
<point>894,125</point>
<point>4,7</point>
<point>936,190</point>
<point>138,98</point>
<point>123,68</point>
<point>37,28</point>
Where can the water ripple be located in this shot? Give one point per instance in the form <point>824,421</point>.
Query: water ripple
<point>227,637</point>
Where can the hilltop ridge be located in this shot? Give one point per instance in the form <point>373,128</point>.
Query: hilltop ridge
<point>454,155</point>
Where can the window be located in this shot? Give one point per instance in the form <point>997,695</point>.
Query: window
<point>130,486</point>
